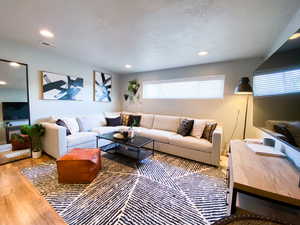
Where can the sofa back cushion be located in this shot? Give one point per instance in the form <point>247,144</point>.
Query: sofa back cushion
<point>147,121</point>
<point>169,123</point>
<point>87,123</point>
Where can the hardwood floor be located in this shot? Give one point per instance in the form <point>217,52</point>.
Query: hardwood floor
<point>20,202</point>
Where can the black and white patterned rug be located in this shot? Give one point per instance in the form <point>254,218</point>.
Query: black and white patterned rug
<point>162,190</point>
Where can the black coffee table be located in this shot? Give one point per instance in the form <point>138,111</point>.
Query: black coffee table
<point>131,147</point>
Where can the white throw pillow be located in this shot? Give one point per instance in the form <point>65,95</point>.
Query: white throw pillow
<point>112,114</point>
<point>87,123</point>
<point>71,123</point>
<point>198,128</point>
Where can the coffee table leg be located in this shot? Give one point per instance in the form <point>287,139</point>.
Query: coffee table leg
<point>233,201</point>
<point>138,154</point>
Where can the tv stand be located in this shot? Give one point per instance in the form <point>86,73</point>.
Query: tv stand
<point>264,177</point>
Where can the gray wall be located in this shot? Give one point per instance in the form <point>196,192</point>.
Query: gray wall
<point>223,110</point>
<point>43,59</point>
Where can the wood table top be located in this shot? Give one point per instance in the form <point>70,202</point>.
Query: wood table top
<point>21,203</point>
<point>271,177</point>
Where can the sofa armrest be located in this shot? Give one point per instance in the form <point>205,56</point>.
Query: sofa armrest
<point>217,145</point>
<point>54,140</point>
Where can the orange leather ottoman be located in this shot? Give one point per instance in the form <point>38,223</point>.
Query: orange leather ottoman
<point>79,166</point>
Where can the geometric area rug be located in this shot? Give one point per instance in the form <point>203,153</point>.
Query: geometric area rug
<point>162,190</point>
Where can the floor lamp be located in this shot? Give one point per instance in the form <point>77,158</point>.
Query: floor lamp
<point>244,88</point>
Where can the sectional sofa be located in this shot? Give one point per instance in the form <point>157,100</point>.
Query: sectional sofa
<point>161,128</point>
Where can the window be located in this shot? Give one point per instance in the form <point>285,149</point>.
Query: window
<point>191,88</point>
<point>278,83</point>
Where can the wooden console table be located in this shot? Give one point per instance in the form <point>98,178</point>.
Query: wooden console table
<point>264,177</point>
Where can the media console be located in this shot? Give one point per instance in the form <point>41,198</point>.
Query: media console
<point>265,177</point>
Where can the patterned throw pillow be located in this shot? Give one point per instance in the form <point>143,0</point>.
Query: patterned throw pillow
<point>59,122</point>
<point>125,119</point>
<point>134,120</point>
<point>209,130</point>
<point>185,127</point>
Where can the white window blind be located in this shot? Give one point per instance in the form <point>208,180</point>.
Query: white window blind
<point>207,87</point>
<point>278,83</point>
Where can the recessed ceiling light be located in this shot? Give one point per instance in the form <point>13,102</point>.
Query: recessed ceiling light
<point>2,82</point>
<point>14,64</point>
<point>202,53</point>
<point>295,36</point>
<point>128,66</point>
<point>46,33</point>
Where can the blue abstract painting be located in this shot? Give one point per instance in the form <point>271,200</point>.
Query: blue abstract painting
<point>102,87</point>
<point>62,87</point>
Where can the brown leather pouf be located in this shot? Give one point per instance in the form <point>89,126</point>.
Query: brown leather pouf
<point>79,166</point>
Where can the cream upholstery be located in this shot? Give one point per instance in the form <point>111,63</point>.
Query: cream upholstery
<point>169,123</point>
<point>157,135</point>
<point>103,130</point>
<point>191,143</point>
<point>147,120</point>
<point>87,123</point>
<point>80,138</point>
<point>71,123</point>
<point>160,128</point>
<point>198,128</point>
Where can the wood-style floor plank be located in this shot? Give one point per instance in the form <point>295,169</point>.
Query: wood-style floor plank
<point>20,202</point>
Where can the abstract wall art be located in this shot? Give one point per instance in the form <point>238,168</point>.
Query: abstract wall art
<point>102,87</point>
<point>62,87</point>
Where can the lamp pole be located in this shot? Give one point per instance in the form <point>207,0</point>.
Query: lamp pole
<point>246,116</point>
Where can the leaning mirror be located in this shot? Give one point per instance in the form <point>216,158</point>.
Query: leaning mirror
<point>14,111</point>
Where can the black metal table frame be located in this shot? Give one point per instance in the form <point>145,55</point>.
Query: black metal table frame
<point>133,148</point>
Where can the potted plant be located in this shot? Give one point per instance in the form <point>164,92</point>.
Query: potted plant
<point>35,132</point>
<point>133,87</point>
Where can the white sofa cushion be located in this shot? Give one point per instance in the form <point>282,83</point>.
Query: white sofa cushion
<point>169,123</point>
<point>103,130</point>
<point>71,123</point>
<point>147,120</point>
<point>87,123</point>
<point>81,138</point>
<point>190,142</point>
<point>198,128</point>
<point>157,135</point>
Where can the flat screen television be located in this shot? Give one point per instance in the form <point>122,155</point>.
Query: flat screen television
<point>276,90</point>
<point>15,111</point>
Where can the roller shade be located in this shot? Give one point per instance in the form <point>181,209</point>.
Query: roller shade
<point>206,87</point>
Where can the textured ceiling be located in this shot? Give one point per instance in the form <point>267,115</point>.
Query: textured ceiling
<point>149,35</point>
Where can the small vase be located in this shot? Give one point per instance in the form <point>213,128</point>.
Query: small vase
<point>131,133</point>
<point>36,155</point>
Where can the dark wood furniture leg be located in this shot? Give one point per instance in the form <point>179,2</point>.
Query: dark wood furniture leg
<point>233,201</point>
